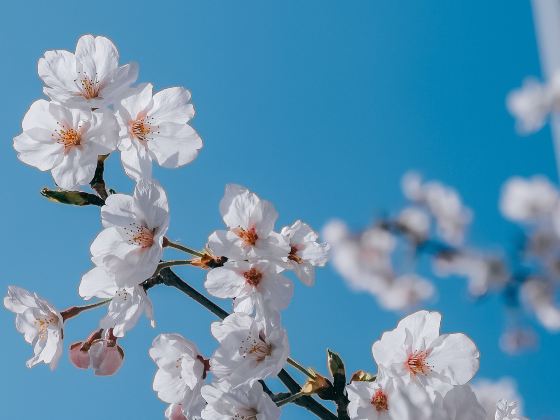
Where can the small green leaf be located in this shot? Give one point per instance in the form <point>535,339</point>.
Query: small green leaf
<point>76,198</point>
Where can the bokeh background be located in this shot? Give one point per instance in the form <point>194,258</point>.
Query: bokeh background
<point>319,106</point>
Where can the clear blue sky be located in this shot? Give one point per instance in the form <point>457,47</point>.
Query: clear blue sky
<point>319,106</point>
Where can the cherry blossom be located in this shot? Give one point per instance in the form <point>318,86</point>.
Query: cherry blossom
<point>416,222</point>
<point>508,410</point>
<point>250,223</point>
<point>249,349</point>
<point>65,141</point>
<point>534,102</point>
<point>406,291</point>
<point>127,304</point>
<point>252,285</point>
<point>305,252</point>
<point>154,128</point>
<point>387,399</point>
<point>89,78</point>
<point>538,295</point>
<point>244,402</point>
<point>39,322</point>
<point>175,412</point>
<point>131,244</point>
<point>416,352</point>
<point>489,393</point>
<point>181,372</point>
<point>528,200</point>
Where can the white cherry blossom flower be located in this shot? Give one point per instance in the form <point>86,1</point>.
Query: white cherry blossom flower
<point>305,252</point>
<point>181,372</point>
<point>489,393</point>
<point>538,295</point>
<point>131,245</point>
<point>39,322</point>
<point>387,399</point>
<point>416,352</point>
<point>251,284</point>
<point>65,141</point>
<point>531,105</point>
<point>249,349</point>
<point>244,402</point>
<point>528,199</point>
<point>406,291</point>
<point>100,352</point>
<point>251,223</point>
<point>459,403</point>
<point>415,222</point>
<point>508,410</point>
<point>154,128</point>
<point>89,78</point>
<point>127,304</point>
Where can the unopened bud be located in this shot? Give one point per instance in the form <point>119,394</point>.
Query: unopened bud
<point>106,359</point>
<point>79,357</point>
<point>315,384</point>
<point>362,376</point>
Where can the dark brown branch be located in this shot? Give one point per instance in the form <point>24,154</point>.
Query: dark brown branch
<point>98,183</point>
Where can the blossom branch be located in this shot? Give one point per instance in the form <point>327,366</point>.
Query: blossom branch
<point>168,243</point>
<point>169,278</point>
<point>98,183</point>
<point>76,310</point>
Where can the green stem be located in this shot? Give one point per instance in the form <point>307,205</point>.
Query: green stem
<point>183,248</point>
<point>299,367</point>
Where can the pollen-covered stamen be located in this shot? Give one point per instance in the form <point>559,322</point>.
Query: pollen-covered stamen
<point>416,363</point>
<point>293,256</point>
<point>246,414</point>
<point>89,86</point>
<point>256,348</point>
<point>379,400</point>
<point>67,136</point>
<point>142,127</point>
<point>249,236</point>
<point>253,277</point>
<point>141,236</point>
<point>43,324</point>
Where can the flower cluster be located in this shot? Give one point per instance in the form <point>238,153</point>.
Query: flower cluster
<point>94,110</point>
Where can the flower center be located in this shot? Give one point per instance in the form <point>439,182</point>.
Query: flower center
<point>141,236</point>
<point>379,401</point>
<point>89,87</point>
<point>43,324</point>
<point>256,348</point>
<point>293,255</point>
<point>248,236</point>
<point>416,363</point>
<point>68,137</point>
<point>140,129</point>
<point>253,277</point>
<point>246,414</point>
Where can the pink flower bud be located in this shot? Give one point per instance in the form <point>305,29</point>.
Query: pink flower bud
<point>79,357</point>
<point>175,412</point>
<point>105,359</point>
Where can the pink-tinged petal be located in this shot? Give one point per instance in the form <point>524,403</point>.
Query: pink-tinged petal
<point>97,55</point>
<point>175,412</point>
<point>106,360</point>
<point>175,145</point>
<point>224,282</point>
<point>79,357</point>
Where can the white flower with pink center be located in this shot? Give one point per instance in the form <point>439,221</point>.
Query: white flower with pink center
<point>251,228</point>
<point>253,285</point>
<point>39,322</point>
<point>247,402</point>
<point>416,352</point>
<point>387,399</point>
<point>65,141</point>
<point>181,372</point>
<point>127,303</point>
<point>306,252</point>
<point>89,78</point>
<point>155,128</point>
<point>249,349</point>
<point>131,245</point>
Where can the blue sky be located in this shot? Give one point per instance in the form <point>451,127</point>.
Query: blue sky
<point>319,106</point>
